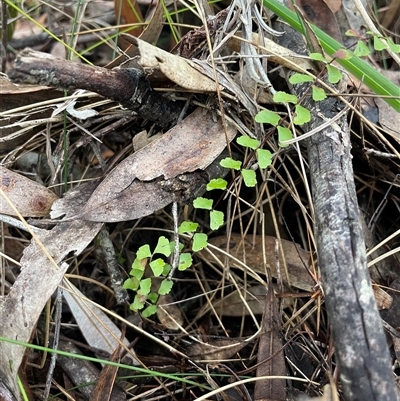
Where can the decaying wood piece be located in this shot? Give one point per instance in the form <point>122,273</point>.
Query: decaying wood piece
<point>358,337</point>
<point>130,87</point>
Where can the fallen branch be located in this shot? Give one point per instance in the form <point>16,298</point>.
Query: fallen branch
<point>130,86</point>
<point>360,344</point>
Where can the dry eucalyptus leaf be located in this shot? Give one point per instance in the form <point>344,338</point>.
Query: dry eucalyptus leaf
<point>217,349</point>
<point>138,200</point>
<point>270,355</point>
<point>250,250</point>
<point>39,278</point>
<point>30,198</point>
<point>191,145</point>
<point>382,298</point>
<point>150,35</point>
<point>175,68</point>
<point>232,303</point>
<point>98,329</point>
<point>168,312</point>
<point>154,27</point>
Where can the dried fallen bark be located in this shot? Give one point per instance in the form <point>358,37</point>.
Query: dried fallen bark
<point>360,343</point>
<point>130,87</point>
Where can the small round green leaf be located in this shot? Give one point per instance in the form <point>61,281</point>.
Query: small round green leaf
<point>300,78</point>
<point>203,203</point>
<point>166,270</point>
<point>318,94</point>
<point>165,287</point>
<point>351,32</point>
<point>137,273</point>
<point>149,311</point>
<point>157,266</point>
<point>145,286</point>
<point>361,49</point>
<point>199,242</point>
<point>131,284</point>
<point>284,134</point>
<point>283,97</point>
<point>393,47</point>
<point>217,183</point>
<point>267,117</point>
<point>302,115</point>
<point>230,163</point>
<point>185,260</point>
<point>264,158</point>
<point>216,219</point>
<point>379,44</point>
<point>248,142</point>
<point>137,304</point>
<point>317,57</point>
<point>153,297</point>
<point>163,247</point>
<point>334,74</point>
<point>143,252</point>
<point>249,177</point>
<point>187,227</point>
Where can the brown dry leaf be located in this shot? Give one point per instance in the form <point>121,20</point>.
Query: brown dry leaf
<point>270,356</point>
<point>175,68</point>
<point>189,146</point>
<point>150,35</point>
<point>39,278</point>
<point>232,304</point>
<point>106,388</point>
<point>389,119</point>
<point>250,250</point>
<point>217,349</point>
<point>139,199</point>
<point>382,298</point>
<point>320,14</point>
<point>30,198</point>
<point>334,5</point>
<point>155,25</point>
<point>128,12</point>
<point>392,315</point>
<point>168,313</point>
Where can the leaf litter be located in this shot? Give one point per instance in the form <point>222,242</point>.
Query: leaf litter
<point>146,182</point>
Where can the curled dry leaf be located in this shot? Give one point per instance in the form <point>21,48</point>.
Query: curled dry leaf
<point>216,349</point>
<point>232,304</point>
<point>126,192</point>
<point>297,259</point>
<point>30,198</point>
<point>175,68</point>
<point>150,34</point>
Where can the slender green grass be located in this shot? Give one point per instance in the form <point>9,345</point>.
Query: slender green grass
<point>377,82</point>
<point>146,372</point>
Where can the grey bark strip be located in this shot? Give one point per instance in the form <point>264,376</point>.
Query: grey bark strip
<point>358,337</point>
<point>130,87</point>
